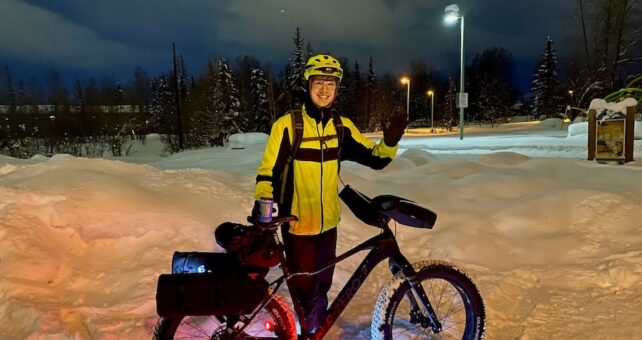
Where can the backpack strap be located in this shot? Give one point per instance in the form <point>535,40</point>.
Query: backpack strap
<point>338,125</point>
<point>297,135</point>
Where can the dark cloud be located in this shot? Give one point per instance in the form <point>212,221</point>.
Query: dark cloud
<point>124,33</point>
<point>35,34</point>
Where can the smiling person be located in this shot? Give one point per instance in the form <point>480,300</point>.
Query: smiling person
<point>300,172</point>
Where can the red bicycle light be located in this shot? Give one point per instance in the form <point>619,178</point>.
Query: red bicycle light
<point>269,326</point>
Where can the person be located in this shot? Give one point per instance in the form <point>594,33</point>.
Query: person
<point>310,191</point>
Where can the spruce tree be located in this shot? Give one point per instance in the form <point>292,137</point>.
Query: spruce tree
<point>449,107</point>
<point>79,98</point>
<point>490,76</point>
<point>309,51</point>
<point>259,103</point>
<point>184,81</point>
<point>295,82</point>
<point>226,106</point>
<point>356,109</point>
<point>371,92</point>
<point>203,120</point>
<point>344,101</point>
<point>545,83</point>
<point>161,106</point>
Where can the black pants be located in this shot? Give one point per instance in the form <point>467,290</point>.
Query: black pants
<point>307,254</point>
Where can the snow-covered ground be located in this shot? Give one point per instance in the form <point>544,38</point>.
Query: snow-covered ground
<point>553,241</point>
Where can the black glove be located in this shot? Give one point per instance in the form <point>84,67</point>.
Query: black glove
<point>255,213</point>
<point>393,130</point>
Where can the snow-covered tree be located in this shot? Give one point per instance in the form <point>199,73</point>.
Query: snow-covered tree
<point>295,82</point>
<point>490,76</point>
<point>200,124</point>
<point>546,99</point>
<point>184,81</point>
<point>356,97</point>
<point>611,38</point>
<point>371,92</point>
<point>226,105</point>
<point>344,102</point>
<point>309,51</point>
<point>162,110</point>
<point>161,106</point>
<point>79,97</point>
<point>259,111</point>
<point>449,106</point>
<point>243,72</point>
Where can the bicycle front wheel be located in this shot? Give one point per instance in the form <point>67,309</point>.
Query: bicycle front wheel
<point>275,321</point>
<point>452,294</point>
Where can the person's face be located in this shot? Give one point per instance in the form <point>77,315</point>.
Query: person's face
<point>323,90</point>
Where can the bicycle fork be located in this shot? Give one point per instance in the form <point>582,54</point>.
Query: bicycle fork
<point>417,292</point>
<point>416,315</point>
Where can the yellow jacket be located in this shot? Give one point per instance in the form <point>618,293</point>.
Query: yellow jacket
<point>311,191</point>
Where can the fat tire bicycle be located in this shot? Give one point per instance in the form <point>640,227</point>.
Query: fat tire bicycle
<point>429,299</point>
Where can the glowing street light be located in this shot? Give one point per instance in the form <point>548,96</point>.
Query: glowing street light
<point>432,110</point>
<point>406,81</point>
<point>451,14</point>
<point>570,92</point>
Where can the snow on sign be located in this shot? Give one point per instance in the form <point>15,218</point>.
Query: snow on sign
<point>462,100</point>
<point>610,136</point>
<point>611,130</point>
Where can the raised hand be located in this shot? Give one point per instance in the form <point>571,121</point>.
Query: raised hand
<point>394,129</point>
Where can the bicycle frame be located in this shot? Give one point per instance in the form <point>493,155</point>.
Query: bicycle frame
<point>381,247</point>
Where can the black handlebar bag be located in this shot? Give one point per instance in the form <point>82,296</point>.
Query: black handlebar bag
<point>208,284</point>
<point>380,209</point>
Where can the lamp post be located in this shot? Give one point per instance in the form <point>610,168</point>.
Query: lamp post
<point>570,92</point>
<point>406,80</point>
<point>451,14</point>
<point>432,110</point>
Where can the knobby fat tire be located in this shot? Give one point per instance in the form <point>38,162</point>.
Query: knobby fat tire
<point>394,291</point>
<point>277,308</point>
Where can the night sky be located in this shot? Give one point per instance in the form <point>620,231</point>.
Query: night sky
<point>109,38</point>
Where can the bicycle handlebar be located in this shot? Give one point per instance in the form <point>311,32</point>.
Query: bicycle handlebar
<point>275,223</point>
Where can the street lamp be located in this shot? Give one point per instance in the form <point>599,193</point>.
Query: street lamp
<point>432,110</point>
<point>451,14</point>
<point>570,92</point>
<point>406,80</point>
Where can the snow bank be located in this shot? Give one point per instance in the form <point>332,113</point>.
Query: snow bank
<point>578,129</point>
<point>581,129</point>
<point>82,241</point>
<point>241,140</point>
<point>551,123</point>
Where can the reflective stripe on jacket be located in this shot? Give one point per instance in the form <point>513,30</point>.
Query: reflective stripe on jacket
<point>311,191</point>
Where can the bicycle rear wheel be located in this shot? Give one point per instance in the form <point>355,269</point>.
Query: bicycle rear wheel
<point>277,313</point>
<point>452,294</point>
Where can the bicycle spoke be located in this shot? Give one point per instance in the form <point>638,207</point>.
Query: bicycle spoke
<point>448,306</point>
<point>195,326</point>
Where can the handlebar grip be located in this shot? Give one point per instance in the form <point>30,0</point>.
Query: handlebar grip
<point>275,223</point>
